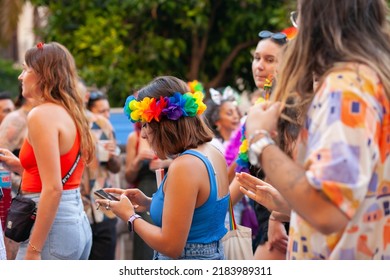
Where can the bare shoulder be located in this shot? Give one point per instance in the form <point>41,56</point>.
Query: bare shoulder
<point>187,166</point>
<point>46,109</point>
<point>48,115</point>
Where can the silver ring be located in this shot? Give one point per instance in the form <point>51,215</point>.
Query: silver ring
<point>108,206</point>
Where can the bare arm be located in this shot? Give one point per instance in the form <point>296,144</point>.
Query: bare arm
<point>47,153</point>
<point>13,130</point>
<point>289,177</point>
<point>235,194</point>
<point>290,180</point>
<point>171,238</point>
<point>132,164</point>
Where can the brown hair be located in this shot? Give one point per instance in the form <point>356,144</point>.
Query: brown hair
<point>330,32</point>
<point>58,81</point>
<point>173,137</point>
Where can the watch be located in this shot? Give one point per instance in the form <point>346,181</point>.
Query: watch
<point>131,220</point>
<point>257,148</point>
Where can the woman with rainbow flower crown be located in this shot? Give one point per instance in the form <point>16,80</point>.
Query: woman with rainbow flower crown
<point>188,210</point>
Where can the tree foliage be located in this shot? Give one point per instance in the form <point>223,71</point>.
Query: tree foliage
<point>120,45</point>
<point>9,77</point>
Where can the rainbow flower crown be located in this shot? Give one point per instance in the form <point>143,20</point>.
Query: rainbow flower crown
<point>173,107</point>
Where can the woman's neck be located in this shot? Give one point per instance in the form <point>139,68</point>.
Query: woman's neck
<point>225,134</point>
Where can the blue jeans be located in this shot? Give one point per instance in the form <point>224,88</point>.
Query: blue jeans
<point>70,237</point>
<point>197,251</point>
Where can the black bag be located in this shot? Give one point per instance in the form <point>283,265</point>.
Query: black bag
<point>21,218</point>
<point>23,211</point>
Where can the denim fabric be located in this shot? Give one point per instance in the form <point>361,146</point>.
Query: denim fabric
<point>197,251</point>
<point>70,237</point>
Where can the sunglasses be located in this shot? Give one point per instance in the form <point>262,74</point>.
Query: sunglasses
<point>279,37</point>
<point>294,18</point>
<point>96,95</point>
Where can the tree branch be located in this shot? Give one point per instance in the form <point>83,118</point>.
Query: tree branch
<point>199,46</point>
<point>216,81</point>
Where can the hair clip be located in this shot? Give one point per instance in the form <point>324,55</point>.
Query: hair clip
<point>228,94</point>
<point>40,45</point>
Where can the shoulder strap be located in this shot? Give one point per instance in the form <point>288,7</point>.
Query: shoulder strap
<point>71,170</point>
<point>210,171</point>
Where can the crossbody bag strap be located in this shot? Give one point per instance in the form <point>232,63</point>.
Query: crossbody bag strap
<point>67,176</point>
<point>71,170</point>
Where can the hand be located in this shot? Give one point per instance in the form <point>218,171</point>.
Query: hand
<point>277,236</point>
<point>122,208</point>
<point>146,154</point>
<point>263,193</point>
<point>10,161</point>
<point>140,202</point>
<point>265,116</point>
<point>112,148</point>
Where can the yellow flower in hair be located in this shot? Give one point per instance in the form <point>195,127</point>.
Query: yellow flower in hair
<point>198,95</point>
<point>138,109</point>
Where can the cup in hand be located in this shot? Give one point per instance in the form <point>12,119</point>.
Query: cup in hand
<point>103,152</point>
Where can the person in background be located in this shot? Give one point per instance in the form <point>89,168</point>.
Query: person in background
<point>337,187</point>
<point>97,176</point>
<point>50,150</point>
<point>13,132</point>
<point>271,240</point>
<point>6,105</point>
<point>223,117</point>
<point>99,105</point>
<point>189,207</point>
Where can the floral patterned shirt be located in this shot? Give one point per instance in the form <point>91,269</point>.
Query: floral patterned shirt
<point>346,148</point>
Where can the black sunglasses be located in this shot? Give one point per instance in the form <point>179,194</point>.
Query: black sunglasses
<point>279,37</point>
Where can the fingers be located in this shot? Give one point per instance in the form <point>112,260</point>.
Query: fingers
<point>246,177</point>
<point>114,190</point>
<point>279,245</point>
<point>247,192</point>
<point>106,203</point>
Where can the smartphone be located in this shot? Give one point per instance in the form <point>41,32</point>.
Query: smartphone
<point>102,194</point>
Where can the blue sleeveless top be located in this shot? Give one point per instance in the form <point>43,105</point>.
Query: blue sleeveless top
<point>208,222</point>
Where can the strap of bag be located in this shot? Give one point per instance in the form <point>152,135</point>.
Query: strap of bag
<point>67,176</point>
<point>232,220</point>
<point>71,170</point>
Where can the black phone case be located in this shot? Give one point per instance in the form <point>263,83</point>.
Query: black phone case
<point>102,194</point>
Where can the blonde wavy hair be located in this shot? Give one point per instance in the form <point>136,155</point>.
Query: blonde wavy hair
<point>330,32</point>
<point>58,81</point>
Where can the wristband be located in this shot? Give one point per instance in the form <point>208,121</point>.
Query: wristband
<point>258,132</point>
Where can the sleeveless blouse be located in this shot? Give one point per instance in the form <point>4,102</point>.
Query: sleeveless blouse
<point>208,221</point>
<point>31,181</point>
